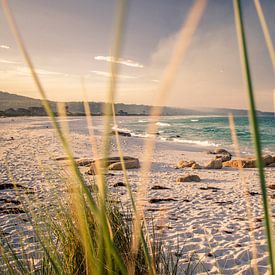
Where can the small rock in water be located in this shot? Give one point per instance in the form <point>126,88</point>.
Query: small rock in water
<point>189,178</point>
<point>214,164</point>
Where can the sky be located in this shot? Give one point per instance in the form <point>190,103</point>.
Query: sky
<point>71,40</point>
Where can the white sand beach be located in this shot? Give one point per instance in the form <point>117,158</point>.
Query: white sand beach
<point>206,219</point>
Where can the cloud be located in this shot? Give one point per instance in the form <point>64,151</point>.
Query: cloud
<point>107,74</point>
<point>6,47</point>
<point>40,72</point>
<point>5,61</point>
<point>126,62</point>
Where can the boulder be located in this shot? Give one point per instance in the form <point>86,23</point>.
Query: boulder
<point>267,159</point>
<point>189,178</point>
<point>196,166</point>
<point>184,163</point>
<point>129,164</point>
<point>271,164</point>
<point>273,156</point>
<point>214,164</point>
<point>245,163</point>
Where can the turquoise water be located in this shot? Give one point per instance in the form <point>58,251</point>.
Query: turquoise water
<point>205,131</point>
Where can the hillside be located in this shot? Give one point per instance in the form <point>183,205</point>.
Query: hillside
<point>15,105</point>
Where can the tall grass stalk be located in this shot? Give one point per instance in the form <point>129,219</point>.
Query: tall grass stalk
<point>248,205</point>
<point>100,213</point>
<point>266,32</point>
<point>254,126</point>
<point>184,39</point>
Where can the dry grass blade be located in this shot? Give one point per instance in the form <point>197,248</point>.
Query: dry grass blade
<point>246,196</point>
<point>178,53</point>
<point>266,32</point>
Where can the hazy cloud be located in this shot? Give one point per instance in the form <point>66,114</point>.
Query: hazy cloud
<point>126,62</point>
<point>107,74</point>
<point>6,47</point>
<point>5,61</point>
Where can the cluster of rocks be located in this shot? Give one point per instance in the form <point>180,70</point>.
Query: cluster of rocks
<point>112,163</point>
<point>268,161</point>
<point>224,159</point>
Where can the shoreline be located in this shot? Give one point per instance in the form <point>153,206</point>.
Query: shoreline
<point>193,215</point>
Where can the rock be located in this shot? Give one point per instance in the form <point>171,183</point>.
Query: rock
<point>223,158</point>
<point>271,164</point>
<point>120,183</point>
<point>121,133</point>
<point>252,193</point>
<point>108,161</point>
<point>11,210</point>
<point>219,151</point>
<point>271,186</point>
<point>10,201</point>
<point>159,187</point>
<point>273,156</point>
<point>245,163</point>
<point>156,200</point>
<point>184,163</point>
<point>64,158</point>
<point>84,162</point>
<point>189,178</point>
<point>129,164</point>
<point>210,188</point>
<point>267,160</point>
<point>196,166</point>
<point>214,164</point>
<point>4,186</point>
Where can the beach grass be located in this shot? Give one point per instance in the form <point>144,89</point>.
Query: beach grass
<point>92,235</point>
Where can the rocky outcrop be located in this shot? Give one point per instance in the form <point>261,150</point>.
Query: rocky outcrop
<point>249,162</point>
<point>244,163</point>
<point>189,178</point>
<point>214,164</point>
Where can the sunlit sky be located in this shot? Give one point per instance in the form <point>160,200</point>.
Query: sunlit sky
<point>69,40</point>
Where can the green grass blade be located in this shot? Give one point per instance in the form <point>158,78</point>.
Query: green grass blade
<point>254,125</point>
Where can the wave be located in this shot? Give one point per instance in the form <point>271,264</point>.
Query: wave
<point>190,141</point>
<point>194,120</point>
<point>163,124</point>
<point>142,120</point>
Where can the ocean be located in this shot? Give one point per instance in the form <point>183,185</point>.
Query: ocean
<point>204,131</point>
